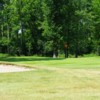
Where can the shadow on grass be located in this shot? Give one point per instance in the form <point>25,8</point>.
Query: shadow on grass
<point>21,59</point>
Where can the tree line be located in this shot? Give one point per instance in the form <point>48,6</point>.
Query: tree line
<point>50,27</point>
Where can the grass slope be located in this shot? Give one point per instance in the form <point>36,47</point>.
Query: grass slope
<point>57,79</point>
<point>86,62</point>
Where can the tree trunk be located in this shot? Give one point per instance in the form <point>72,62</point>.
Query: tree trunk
<point>2,26</point>
<point>2,30</point>
<point>66,53</point>
<point>76,51</point>
<point>76,54</point>
<point>55,53</point>
<point>22,40</point>
<point>8,38</point>
<point>98,50</point>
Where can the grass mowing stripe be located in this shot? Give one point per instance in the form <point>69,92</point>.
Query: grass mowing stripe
<point>81,82</point>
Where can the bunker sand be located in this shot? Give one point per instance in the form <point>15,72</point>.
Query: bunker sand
<point>13,68</point>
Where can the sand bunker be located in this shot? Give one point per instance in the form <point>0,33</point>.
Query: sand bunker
<point>13,68</point>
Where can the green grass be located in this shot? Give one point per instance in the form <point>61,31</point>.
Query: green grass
<point>53,79</point>
<point>85,62</point>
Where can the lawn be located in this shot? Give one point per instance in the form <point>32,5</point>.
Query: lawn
<point>53,79</point>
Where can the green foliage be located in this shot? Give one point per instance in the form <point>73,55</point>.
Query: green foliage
<point>96,12</point>
<point>4,41</point>
<point>41,27</point>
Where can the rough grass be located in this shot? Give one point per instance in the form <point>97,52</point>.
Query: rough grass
<point>54,79</point>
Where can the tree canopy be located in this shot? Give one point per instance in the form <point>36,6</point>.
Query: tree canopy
<point>50,27</point>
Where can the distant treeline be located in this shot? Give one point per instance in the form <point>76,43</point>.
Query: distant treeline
<point>50,27</point>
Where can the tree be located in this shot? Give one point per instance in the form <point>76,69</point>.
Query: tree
<point>50,25</point>
<point>96,12</point>
<point>47,27</point>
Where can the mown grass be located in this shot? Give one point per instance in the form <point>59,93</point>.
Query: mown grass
<point>54,79</point>
<point>85,62</point>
